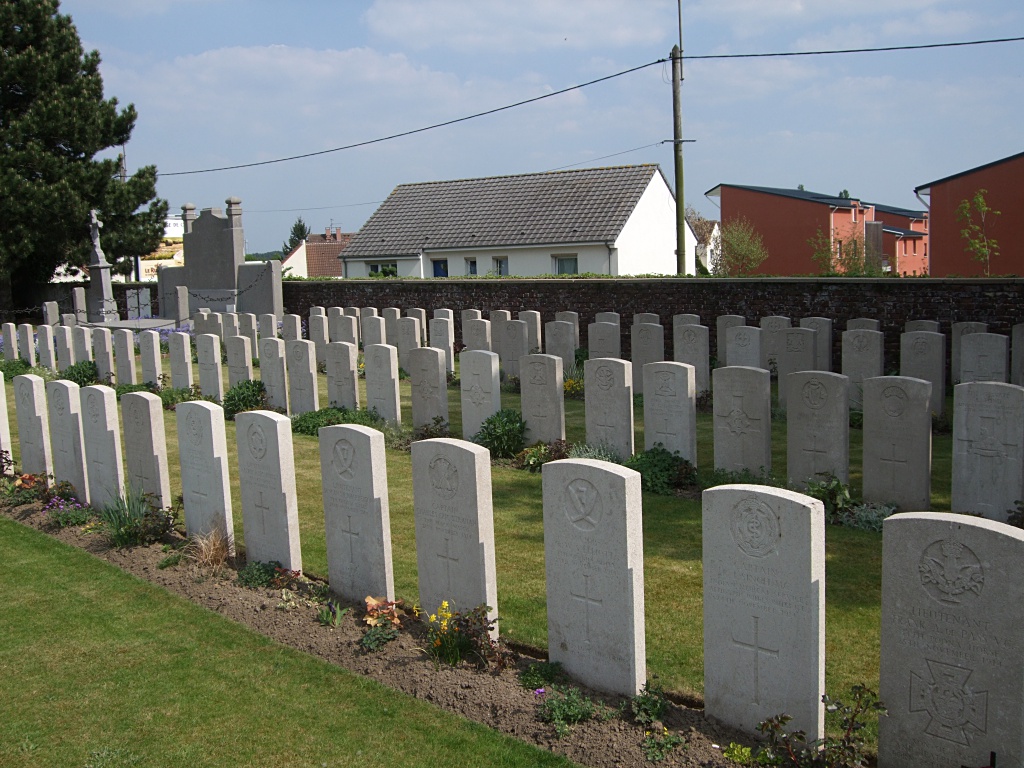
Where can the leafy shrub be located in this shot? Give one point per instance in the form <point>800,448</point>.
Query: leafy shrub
<point>564,707</point>
<point>438,427</point>
<point>12,368</point>
<point>833,493</point>
<point>309,423</point>
<point>661,472</point>
<point>377,637</point>
<point>856,419</point>
<point>83,374</point>
<point>1015,517</point>
<point>580,357</point>
<point>533,458</point>
<point>24,489</point>
<point>256,575</point>
<point>502,433</point>
<point>587,451</point>
<point>705,402</point>
<point>710,478</point>
<point>6,462</point>
<point>867,516</point>
<point>245,396</point>
<point>133,520</point>
<point>650,704</point>
<point>124,389</point>
<point>171,396</point>
<point>942,424</point>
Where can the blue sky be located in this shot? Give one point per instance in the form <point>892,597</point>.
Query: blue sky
<point>222,83</point>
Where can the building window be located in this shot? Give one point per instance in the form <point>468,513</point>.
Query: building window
<point>384,270</point>
<point>566,265</point>
<point>440,267</point>
<point>470,266</point>
<point>501,265</point>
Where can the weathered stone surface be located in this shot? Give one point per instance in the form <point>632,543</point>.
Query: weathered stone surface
<point>822,327</point>
<point>303,392</point>
<point>211,384</point>
<point>608,317</point>
<point>764,607</point>
<point>274,372</point>
<point>514,344</point>
<point>145,446</point>
<point>247,327</point>
<point>643,318</point>
<point>381,366</point>
<point>267,326</point>
<point>743,419</point>
<point>409,338</point>
<point>101,436</point>
<point>357,521</point>
<point>648,346</point>
<point>604,340</point>
<point>897,463</point>
<point>988,440</point>
<point>863,358</point>
<point>817,427</point>
<point>863,324</point>
<point>372,330</point>
<point>342,375</point>
<point>608,392</point>
<point>952,676</point>
<point>771,338</point>
<point>923,356</point>
<point>239,360</point>
<point>391,317</point>
<point>421,315</point>
<point>442,336</point>
<point>572,318</point>
<point>149,355</point>
<point>932,326</point>
<point>534,340</point>
<point>593,552</point>
<point>65,349</point>
<point>10,339</point>
<point>266,474</point>
<point>180,346</point>
<point>27,343</point>
<point>343,328</point>
<point>65,417</point>
<point>481,393</point>
<point>560,340</point>
<point>81,340</point>
<point>451,485</point>
<point>319,336</point>
<point>958,331</point>
<point>103,354</point>
<point>670,408</point>
<point>690,345</point>
<point>796,353</point>
<point>722,325</point>
<point>205,478</point>
<point>499,318</point>
<point>543,403</point>
<point>47,352</point>
<point>476,335</point>
<point>33,424</point>
<point>984,357</point>
<point>429,385</point>
<point>291,328</point>
<point>743,346</point>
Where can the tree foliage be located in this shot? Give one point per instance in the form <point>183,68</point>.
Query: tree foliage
<point>299,233</point>
<point>739,251</point>
<point>975,214</point>
<point>54,121</point>
<point>845,256</point>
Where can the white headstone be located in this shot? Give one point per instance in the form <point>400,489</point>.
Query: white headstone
<point>81,340</point>
<point>932,326</point>
<point>205,479</point>
<point>342,375</point>
<point>498,318</point>
<point>796,353</point>
<point>211,384</point>
<point>476,335</point>
<point>863,324</point>
<point>647,346</point>
<point>380,362</point>
<point>303,392</point>
<point>47,353</point>
<point>5,426</point>
<point>291,328</point>
<point>958,331</point>
<point>239,359</point>
<point>357,522</point>
<point>408,337</point>
<point>65,416</point>
<point>481,394</point>
<point>372,330</point>
<point>574,319</point>
<point>988,446</point>
<point>542,391</point>
<point>608,317</point>
<point>442,336</point>
<point>722,325</point>
<point>429,385</point>
<point>149,354</point>
<point>421,315</point>
<point>444,314</point>
<point>743,346</point>
<point>230,326</point>
<point>670,408</point>
<point>145,446</point>
<point>103,354</point>
<point>604,340</point>
<point>534,340</point>
<point>764,607</point>
<point>469,314</point>
<point>771,337</point>
<point>952,678</point>
<point>318,335</point>
<point>923,356</point>
<point>247,328</point>
<point>608,393</point>
<point>1016,354</point>
<point>33,425</point>
<point>817,427</point>
<point>743,419</point>
<point>863,358</point>
<point>897,463</point>
<point>822,327</point>
<point>124,356</point>
<point>560,340</point>
<point>451,485</point>
<point>691,345</point>
<point>27,343</point>
<point>514,344</point>
<point>274,372</point>
<point>594,562</point>
<point>343,328</point>
<point>984,357</point>
<point>266,475</point>
<point>268,326</point>
<point>643,318</point>
<point>317,312</point>
<point>101,435</point>
<point>180,350</point>
<point>65,349</point>
<point>10,334</point>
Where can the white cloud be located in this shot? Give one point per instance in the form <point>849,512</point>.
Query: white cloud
<point>525,25</point>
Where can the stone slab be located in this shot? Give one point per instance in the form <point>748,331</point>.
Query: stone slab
<point>670,408</point>
<point>608,394</point>
<point>480,389</point>
<point>101,436</point>
<point>205,475</point>
<point>145,446</point>
<point>542,398</point>
<point>742,419</point>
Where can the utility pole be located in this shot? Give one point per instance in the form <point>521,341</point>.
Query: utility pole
<point>677,145</point>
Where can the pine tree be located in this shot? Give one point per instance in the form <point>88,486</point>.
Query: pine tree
<point>54,121</point>
<point>299,233</point>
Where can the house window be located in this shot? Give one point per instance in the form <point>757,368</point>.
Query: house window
<point>470,266</point>
<point>440,267</point>
<point>566,265</point>
<point>501,265</point>
<point>853,213</point>
<point>384,270</point>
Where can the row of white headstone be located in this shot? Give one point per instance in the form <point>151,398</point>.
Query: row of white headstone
<point>951,671</point>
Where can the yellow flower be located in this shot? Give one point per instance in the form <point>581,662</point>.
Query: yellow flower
<point>433,618</point>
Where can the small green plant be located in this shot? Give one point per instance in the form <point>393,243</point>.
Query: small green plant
<point>502,433</point>
<point>65,513</point>
<point>942,423</point>
<point>705,402</point>
<point>377,637</point>
<point>661,472</point>
<point>171,396</point>
<point>657,746</point>
<point>588,451</point>
<point>709,478</point>
<point>848,750</point>
<point>12,368</point>
<point>650,704</point>
<point>172,559</point>
<point>542,673</point>
<point>83,373</point>
<point>454,636</point>
<point>511,384</point>
<point>256,575</point>
<point>133,519</point>
<point>856,418</point>
<point>124,389</point>
<point>834,494</point>
<point>739,754</point>
<point>867,516</point>
<point>533,458</point>
<point>564,706</point>
<point>438,427</point>
<point>309,423</point>
<point>24,489</point>
<point>245,396</point>
<point>331,614</point>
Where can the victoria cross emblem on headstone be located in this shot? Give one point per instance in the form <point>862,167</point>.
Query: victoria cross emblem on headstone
<point>583,504</point>
<point>958,713</point>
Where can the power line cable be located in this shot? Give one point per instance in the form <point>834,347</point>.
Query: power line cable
<point>559,92</point>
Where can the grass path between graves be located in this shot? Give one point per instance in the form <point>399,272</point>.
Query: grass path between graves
<point>672,548</point>
<point>98,667</point>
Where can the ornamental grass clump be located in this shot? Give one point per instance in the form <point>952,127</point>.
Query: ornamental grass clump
<point>133,519</point>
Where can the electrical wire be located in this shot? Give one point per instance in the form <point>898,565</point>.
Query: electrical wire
<point>561,91</point>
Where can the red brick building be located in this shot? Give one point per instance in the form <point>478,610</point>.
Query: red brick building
<point>1002,181</point>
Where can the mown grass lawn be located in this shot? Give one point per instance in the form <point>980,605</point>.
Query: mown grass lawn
<point>672,549</point>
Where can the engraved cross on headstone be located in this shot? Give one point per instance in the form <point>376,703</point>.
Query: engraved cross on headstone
<point>759,650</point>
<point>264,509</point>
<point>448,560</point>
<point>815,452</point>
<point>891,462</point>
<point>351,534</point>
<point>588,600</point>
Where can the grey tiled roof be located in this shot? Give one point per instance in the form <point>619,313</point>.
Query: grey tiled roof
<point>580,206</point>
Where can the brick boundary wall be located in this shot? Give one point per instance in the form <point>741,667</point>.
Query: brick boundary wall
<point>996,301</point>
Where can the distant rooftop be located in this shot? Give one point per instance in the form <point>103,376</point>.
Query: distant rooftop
<point>818,197</point>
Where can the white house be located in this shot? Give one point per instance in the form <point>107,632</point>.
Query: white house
<point>612,221</point>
